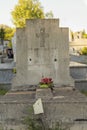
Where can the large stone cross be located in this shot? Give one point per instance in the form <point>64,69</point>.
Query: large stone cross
<point>42,35</point>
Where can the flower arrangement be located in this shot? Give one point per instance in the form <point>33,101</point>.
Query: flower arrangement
<point>46,83</point>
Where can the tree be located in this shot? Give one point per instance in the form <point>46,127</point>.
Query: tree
<point>9,32</point>
<point>6,32</point>
<point>83,51</point>
<point>2,34</point>
<point>26,9</point>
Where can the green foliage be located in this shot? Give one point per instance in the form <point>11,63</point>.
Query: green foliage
<point>32,122</point>
<point>14,70</point>
<point>83,51</point>
<point>84,92</point>
<point>6,32</point>
<point>9,45</point>
<point>2,34</point>
<point>3,91</point>
<point>36,122</point>
<point>26,9</point>
<point>44,86</point>
<point>85,36</point>
<point>9,32</point>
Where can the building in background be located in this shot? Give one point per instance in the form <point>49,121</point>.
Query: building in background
<point>77,42</point>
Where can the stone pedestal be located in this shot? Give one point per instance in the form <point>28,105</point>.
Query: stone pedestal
<point>65,106</point>
<point>44,93</point>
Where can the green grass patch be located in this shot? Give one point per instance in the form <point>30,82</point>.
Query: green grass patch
<point>84,92</point>
<point>3,91</point>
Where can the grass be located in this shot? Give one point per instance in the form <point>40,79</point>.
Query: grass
<point>3,91</point>
<point>84,92</point>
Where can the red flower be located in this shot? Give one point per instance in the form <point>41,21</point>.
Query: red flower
<point>46,80</point>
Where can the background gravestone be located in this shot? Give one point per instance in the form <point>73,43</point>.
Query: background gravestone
<point>42,51</point>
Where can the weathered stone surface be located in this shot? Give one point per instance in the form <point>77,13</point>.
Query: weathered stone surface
<point>44,94</point>
<point>42,51</point>
<point>66,107</point>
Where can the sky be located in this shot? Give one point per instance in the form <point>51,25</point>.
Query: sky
<point>72,13</point>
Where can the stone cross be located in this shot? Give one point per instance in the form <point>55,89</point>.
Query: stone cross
<point>42,35</point>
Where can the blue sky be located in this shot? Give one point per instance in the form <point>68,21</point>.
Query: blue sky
<point>72,13</point>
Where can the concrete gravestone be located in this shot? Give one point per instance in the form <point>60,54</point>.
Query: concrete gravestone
<point>42,51</point>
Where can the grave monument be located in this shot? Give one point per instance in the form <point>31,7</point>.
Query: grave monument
<point>42,51</point>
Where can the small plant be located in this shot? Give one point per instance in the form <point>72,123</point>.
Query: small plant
<point>14,70</point>
<point>3,91</point>
<point>46,83</point>
<point>32,121</point>
<point>84,92</point>
<point>39,122</point>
